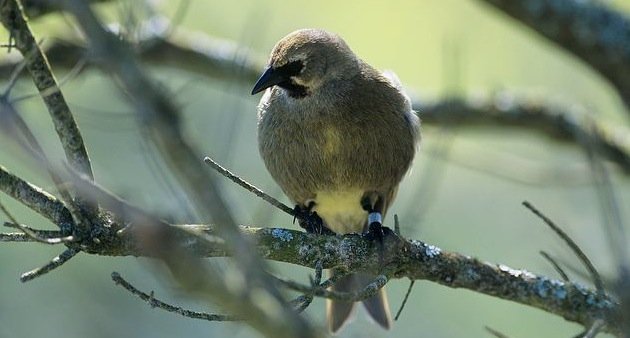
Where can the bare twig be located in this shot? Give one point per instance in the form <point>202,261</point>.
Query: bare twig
<point>15,237</point>
<point>404,302</point>
<point>396,225</point>
<point>555,265</point>
<point>366,292</point>
<point>592,330</point>
<point>16,128</point>
<point>597,280</point>
<point>34,234</point>
<point>53,264</point>
<point>495,333</point>
<point>153,302</point>
<point>13,19</point>
<point>302,302</point>
<point>234,178</point>
<point>614,228</point>
<point>43,234</point>
<point>37,199</point>
<point>414,260</point>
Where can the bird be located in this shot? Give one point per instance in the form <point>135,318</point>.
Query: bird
<point>338,136</point>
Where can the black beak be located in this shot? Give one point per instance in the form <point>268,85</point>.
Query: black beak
<point>269,78</point>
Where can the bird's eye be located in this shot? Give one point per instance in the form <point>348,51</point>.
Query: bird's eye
<point>292,68</point>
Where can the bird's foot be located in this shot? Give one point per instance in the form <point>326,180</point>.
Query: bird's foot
<point>309,220</point>
<point>376,231</point>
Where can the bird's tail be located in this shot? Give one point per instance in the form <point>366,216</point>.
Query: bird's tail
<point>338,312</point>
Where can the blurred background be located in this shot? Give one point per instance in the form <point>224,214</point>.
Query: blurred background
<point>463,194</point>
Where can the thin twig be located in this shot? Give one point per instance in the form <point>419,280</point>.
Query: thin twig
<point>366,292</point>
<point>153,302</point>
<point>555,265</point>
<point>13,18</point>
<point>303,301</point>
<point>35,234</point>
<point>396,225</point>
<point>613,224</point>
<point>495,332</point>
<point>592,331</point>
<point>35,198</point>
<point>404,302</point>
<point>597,280</point>
<point>15,237</point>
<point>53,264</point>
<point>221,170</point>
<point>28,231</point>
<point>14,125</point>
<point>40,233</point>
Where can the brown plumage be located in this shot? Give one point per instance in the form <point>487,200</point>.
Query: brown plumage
<point>332,130</point>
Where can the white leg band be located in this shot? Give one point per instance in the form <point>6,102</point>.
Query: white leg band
<point>375,217</point>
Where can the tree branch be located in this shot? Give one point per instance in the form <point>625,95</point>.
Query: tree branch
<point>48,267</point>
<point>37,199</point>
<point>13,19</point>
<point>407,259</point>
<point>595,277</point>
<point>16,237</point>
<point>588,29</point>
<point>167,307</point>
<point>398,259</point>
<point>554,121</point>
<point>54,237</point>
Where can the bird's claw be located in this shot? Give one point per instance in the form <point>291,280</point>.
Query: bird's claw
<point>310,221</point>
<point>377,232</point>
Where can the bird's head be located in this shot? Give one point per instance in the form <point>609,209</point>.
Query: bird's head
<point>305,60</point>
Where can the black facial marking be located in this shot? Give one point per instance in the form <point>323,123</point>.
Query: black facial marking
<point>291,69</point>
<point>288,70</point>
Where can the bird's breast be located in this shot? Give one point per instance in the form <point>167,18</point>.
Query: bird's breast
<point>341,209</point>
